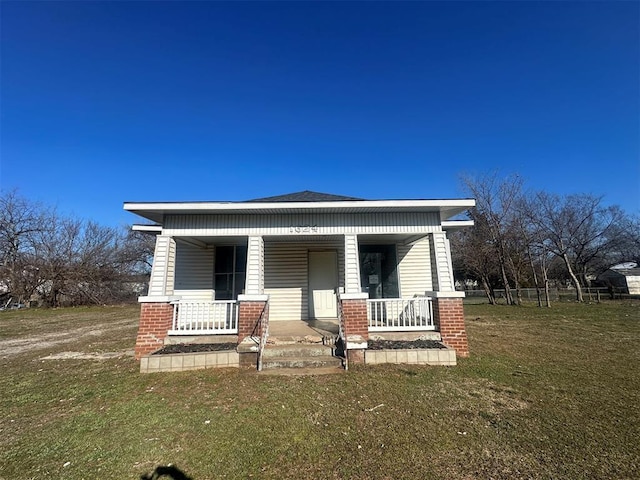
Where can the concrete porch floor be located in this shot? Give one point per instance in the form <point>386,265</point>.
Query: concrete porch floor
<point>302,328</point>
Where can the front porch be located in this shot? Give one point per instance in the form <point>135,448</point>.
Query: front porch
<point>363,268</point>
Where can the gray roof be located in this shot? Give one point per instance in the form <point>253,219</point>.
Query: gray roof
<point>306,196</point>
<point>627,272</point>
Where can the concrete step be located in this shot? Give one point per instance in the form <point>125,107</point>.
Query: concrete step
<point>323,361</point>
<point>297,350</point>
<point>294,340</point>
<point>303,371</point>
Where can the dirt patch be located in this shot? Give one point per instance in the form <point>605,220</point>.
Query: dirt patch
<point>88,356</point>
<point>41,342</point>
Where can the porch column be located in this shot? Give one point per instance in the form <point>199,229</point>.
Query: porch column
<point>156,311</point>
<point>254,284</point>
<point>351,265</point>
<point>354,303</point>
<point>442,259</point>
<point>164,266</point>
<point>253,304</point>
<point>448,317</point>
<point>448,314</point>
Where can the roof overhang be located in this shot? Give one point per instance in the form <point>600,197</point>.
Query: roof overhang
<point>156,211</point>
<point>146,228</point>
<point>452,225</point>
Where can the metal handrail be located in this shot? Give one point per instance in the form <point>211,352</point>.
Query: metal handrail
<point>342,333</point>
<point>264,323</point>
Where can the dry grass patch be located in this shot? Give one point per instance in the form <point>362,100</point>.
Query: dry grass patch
<point>545,394</point>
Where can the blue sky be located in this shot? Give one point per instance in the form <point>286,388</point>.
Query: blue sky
<point>103,103</point>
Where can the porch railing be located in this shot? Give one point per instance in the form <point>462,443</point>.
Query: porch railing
<point>400,314</point>
<point>205,317</point>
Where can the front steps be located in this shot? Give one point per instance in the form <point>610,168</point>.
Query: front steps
<point>302,355</point>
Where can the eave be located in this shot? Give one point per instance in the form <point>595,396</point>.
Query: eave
<point>156,211</point>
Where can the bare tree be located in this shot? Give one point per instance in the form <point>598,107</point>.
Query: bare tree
<point>20,222</point>
<point>65,260</point>
<point>577,229</point>
<point>626,247</point>
<point>474,255</point>
<point>496,210</point>
<point>136,251</point>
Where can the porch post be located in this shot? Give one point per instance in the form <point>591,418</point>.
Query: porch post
<point>253,304</point>
<point>254,284</point>
<point>354,303</point>
<point>156,311</point>
<point>442,256</point>
<point>448,313</point>
<point>351,265</point>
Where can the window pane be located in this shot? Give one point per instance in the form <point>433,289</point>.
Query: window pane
<point>223,287</point>
<point>378,271</point>
<point>224,259</point>
<point>241,259</point>
<point>239,286</point>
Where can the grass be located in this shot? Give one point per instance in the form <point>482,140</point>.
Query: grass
<point>546,393</point>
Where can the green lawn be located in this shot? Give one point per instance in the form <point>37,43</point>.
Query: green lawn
<point>546,393</point>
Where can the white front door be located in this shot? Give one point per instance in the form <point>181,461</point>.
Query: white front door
<point>323,282</point>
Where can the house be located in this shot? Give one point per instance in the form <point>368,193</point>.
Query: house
<point>624,278</point>
<point>241,268</point>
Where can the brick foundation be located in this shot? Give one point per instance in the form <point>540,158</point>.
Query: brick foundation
<point>249,319</point>
<point>155,322</point>
<point>448,316</point>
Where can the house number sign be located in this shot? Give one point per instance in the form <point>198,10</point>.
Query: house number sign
<point>303,229</point>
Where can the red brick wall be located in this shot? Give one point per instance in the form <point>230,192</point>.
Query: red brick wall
<point>448,316</point>
<point>355,318</point>
<point>155,322</point>
<point>248,318</point>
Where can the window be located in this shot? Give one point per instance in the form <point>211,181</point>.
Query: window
<point>231,265</point>
<point>378,271</point>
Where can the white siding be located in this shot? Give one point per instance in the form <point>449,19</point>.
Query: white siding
<point>633,284</point>
<point>302,224</point>
<point>414,268</point>
<point>163,270</point>
<point>194,268</point>
<point>286,277</point>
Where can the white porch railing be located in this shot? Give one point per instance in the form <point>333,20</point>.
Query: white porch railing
<point>400,314</point>
<point>205,317</point>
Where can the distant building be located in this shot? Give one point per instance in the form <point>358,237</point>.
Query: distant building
<point>625,278</point>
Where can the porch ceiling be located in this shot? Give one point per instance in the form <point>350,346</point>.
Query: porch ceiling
<point>210,241</point>
<point>242,240</point>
